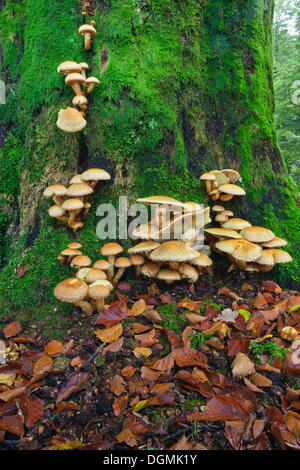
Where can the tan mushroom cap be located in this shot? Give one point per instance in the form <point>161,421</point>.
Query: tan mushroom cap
<point>281,256</point>
<point>222,232</point>
<point>71,252</point>
<point>242,250</point>
<point>79,100</point>
<point>76,179</point>
<point>266,259</point>
<point>218,208</point>
<point>72,78</point>
<point>228,213</point>
<point>79,189</point>
<point>74,245</point>
<point>81,261</point>
<point>122,262</point>
<point>232,189</point>
<point>111,249</point>
<point>236,224</point>
<point>257,234</point>
<point>70,120</point>
<point>146,231</point>
<point>71,290</point>
<point>90,275</point>
<point>164,200</point>
<point>203,260</point>
<point>208,177</point>
<point>221,178</point>
<point>72,204</point>
<point>55,190</point>
<point>149,269</point>
<point>98,291</point>
<point>92,80</point>
<point>144,247</point>
<point>189,272</point>
<point>174,250</point>
<point>221,217</point>
<point>83,65</point>
<point>137,260</point>
<point>232,175</point>
<point>168,275</point>
<point>68,67</point>
<point>86,28</point>
<point>56,211</point>
<point>95,174</point>
<point>275,243</point>
<point>101,264</point>
<point>104,283</point>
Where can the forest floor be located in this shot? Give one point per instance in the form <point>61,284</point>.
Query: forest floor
<point>156,371</point>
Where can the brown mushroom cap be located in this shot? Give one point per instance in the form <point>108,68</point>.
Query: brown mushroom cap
<point>146,231</point>
<point>111,249</point>
<point>104,283</point>
<point>257,234</point>
<point>72,204</point>
<point>74,245</point>
<point>232,189</point>
<point>137,260</point>
<point>55,190</point>
<point>218,208</point>
<point>76,179</point>
<point>232,175</point>
<point>92,80</point>
<point>72,78</point>
<point>86,28</point>
<point>281,256</point>
<point>228,213</point>
<point>90,275</point>
<point>241,250</point>
<point>221,178</point>
<point>266,259</point>
<point>275,243</point>
<point>149,269</point>
<point>203,260</point>
<point>236,224</point>
<point>168,275</point>
<point>70,120</point>
<point>222,232</point>
<point>79,189</point>
<point>95,174</point>
<point>163,200</point>
<point>122,262</point>
<point>187,271</point>
<point>144,247</point>
<point>81,261</point>
<point>56,211</point>
<point>71,290</point>
<point>208,177</point>
<point>174,250</point>
<point>71,252</point>
<point>101,264</point>
<point>68,67</point>
<point>98,291</point>
<point>221,217</point>
<point>79,100</point>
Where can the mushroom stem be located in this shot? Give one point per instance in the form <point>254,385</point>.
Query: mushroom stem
<point>138,271</point>
<point>110,271</point>
<point>85,306</point>
<point>87,41</point>
<point>174,265</point>
<point>76,88</point>
<point>119,274</point>
<point>72,218</point>
<point>90,88</point>
<point>100,304</point>
<point>58,200</point>
<point>208,186</point>
<point>62,218</point>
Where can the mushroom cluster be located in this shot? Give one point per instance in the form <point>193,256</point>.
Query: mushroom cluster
<point>220,184</point>
<point>73,119</point>
<point>88,7</point>
<point>72,204</point>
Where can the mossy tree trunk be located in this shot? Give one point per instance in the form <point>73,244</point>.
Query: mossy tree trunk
<point>186,87</point>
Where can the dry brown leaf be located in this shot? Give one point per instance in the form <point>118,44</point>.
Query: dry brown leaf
<point>128,371</point>
<point>109,335</point>
<point>117,385</point>
<point>260,380</point>
<point>142,352</point>
<point>242,366</point>
<point>127,436</point>
<point>114,347</point>
<point>182,444</point>
<point>43,363</point>
<point>7,378</point>
<point>138,308</point>
<point>54,347</point>
<point>120,405</point>
<point>12,329</point>
<point>152,315</point>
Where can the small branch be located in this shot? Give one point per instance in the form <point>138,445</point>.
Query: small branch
<point>93,356</point>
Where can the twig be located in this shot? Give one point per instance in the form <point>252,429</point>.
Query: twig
<point>95,354</point>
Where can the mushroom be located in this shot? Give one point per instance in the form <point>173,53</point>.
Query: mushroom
<point>91,82</point>
<point>79,190</point>
<point>146,232</point>
<point>275,243</point>
<point>81,101</point>
<point>89,32</point>
<point>221,217</point>
<point>144,247</point>
<point>101,264</point>
<point>137,261</point>
<point>74,291</point>
<point>121,263</point>
<point>73,206</point>
<point>83,66</point>
<point>56,191</point>
<point>218,208</point>
<point>76,179</point>
<point>236,224</point>
<point>270,257</point>
<point>149,269</point>
<point>168,275</point>
<point>58,213</point>
<point>173,251</point>
<point>203,261</point>
<point>232,175</point>
<point>257,234</point>
<point>187,271</point>
<point>93,175</point>
<point>69,253</point>
<point>75,246</point>
<point>99,292</point>
<point>240,251</point>
<point>69,67</point>
<point>90,275</point>
<point>225,197</point>
<point>209,178</point>
<point>222,232</point>
<point>221,178</point>
<point>74,80</point>
<point>70,120</point>
<point>81,261</point>
<point>111,250</point>
<point>289,333</point>
<point>232,189</point>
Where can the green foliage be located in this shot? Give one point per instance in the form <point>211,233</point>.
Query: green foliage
<point>198,339</point>
<point>268,347</point>
<point>172,320</point>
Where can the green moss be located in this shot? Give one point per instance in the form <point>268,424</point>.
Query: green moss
<point>171,319</point>
<point>198,339</point>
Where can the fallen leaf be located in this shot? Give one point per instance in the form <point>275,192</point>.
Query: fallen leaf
<point>142,352</point>
<point>21,271</point>
<point>128,437</point>
<point>117,385</point>
<point>75,383</point>
<point>32,409</point>
<point>138,308</point>
<point>120,405</point>
<point>246,287</point>
<point>259,300</point>
<point>221,408</point>
<point>116,312</point>
<point>114,347</point>
<point>260,380</point>
<point>54,347</point>
<point>109,335</point>
<point>242,366</point>
<point>7,378</point>
<point>182,444</point>
<point>12,329</point>
<point>152,315</point>
<point>13,424</point>
<point>43,363</point>
<point>128,371</point>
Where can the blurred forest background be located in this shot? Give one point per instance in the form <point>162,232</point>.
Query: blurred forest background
<point>287,82</point>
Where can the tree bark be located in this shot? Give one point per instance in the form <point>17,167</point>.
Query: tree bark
<point>185,87</point>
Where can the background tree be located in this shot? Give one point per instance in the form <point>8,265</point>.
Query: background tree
<point>186,87</point>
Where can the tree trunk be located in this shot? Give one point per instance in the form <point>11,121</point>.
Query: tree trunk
<point>186,87</point>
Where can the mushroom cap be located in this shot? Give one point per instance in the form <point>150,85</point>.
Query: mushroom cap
<point>222,232</point>
<point>164,200</point>
<point>81,261</point>
<point>232,175</point>
<point>241,250</point>
<point>71,252</point>
<point>174,250</point>
<point>187,271</point>
<point>104,283</point>
<point>257,234</point>
<point>79,100</point>
<point>86,28</point>
<point>68,67</point>
<point>236,224</point>
<point>228,213</point>
<point>218,208</point>
<point>72,204</point>
<point>83,65</point>
<point>111,249</point>
<point>122,262</point>
<point>98,291</point>
<point>70,120</point>
<point>91,80</point>
<point>169,275</point>
<point>144,247</point>
<point>76,179</point>
<point>192,206</point>
<point>56,211</point>
<point>221,178</point>
<point>281,256</point>
<point>55,190</point>
<point>95,174</point>
<point>137,260</point>
<point>79,189</point>
<point>72,78</point>
<point>221,217</point>
<point>202,260</point>
<point>146,231</point>
<point>101,264</point>
<point>71,290</point>
<point>275,243</point>
<point>90,275</point>
<point>149,269</point>
<point>266,258</point>
<point>74,245</point>
<point>233,189</point>
<point>208,177</point>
